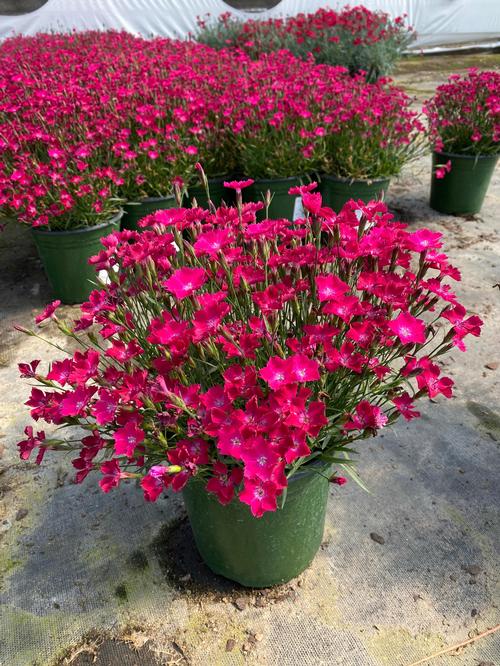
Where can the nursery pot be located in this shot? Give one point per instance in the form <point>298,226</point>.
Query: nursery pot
<point>65,256</point>
<point>338,191</point>
<point>260,552</point>
<point>218,194</point>
<point>462,190</point>
<point>133,211</point>
<point>283,205</point>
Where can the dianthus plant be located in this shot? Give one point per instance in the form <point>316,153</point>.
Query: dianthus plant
<point>242,351</point>
<point>464,114</point>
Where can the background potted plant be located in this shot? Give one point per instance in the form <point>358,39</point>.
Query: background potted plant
<point>241,363</point>
<point>354,37</point>
<point>52,179</point>
<point>274,130</point>
<point>464,126</point>
<point>370,133</point>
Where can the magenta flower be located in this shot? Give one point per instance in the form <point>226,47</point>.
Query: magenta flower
<point>276,372</point>
<point>185,281</point>
<point>104,409</point>
<point>75,402</point>
<point>238,185</point>
<point>60,371</point>
<point>127,439</point>
<point>330,287</point>
<point>28,370</point>
<point>260,495</point>
<point>224,481</point>
<point>409,329</point>
<point>112,475</point>
<point>155,482</point>
<point>32,441</point>
<point>404,405</point>
<point>212,242</point>
<point>260,460</point>
<point>48,312</point>
<point>367,417</point>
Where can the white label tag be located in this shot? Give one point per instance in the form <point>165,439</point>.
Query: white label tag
<point>298,208</point>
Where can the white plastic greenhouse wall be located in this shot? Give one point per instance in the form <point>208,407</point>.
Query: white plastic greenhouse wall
<point>437,22</point>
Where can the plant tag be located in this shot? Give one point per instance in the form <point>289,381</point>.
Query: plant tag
<point>298,208</point>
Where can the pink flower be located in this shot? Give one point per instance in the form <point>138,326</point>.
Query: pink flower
<point>127,439</point>
<point>212,242</point>
<point>404,405</point>
<point>31,442</point>
<point>166,330</point>
<point>429,380</point>
<point>76,402</point>
<point>330,287</point>
<point>238,185</point>
<point>302,369</point>
<point>185,281</point>
<point>207,321</point>
<point>367,417</point>
<point>443,169</point>
<point>112,475</point>
<point>276,373</point>
<point>85,366</point>
<point>155,482</point>
<point>310,420</point>
<point>260,460</point>
<point>60,371</point>
<point>339,480</point>
<point>48,312</point>
<point>409,329</point>
<point>223,483</point>
<point>28,371</point>
<point>104,408</point>
<point>260,495</point>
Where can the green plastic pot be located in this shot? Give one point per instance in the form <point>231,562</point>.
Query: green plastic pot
<point>260,552</point>
<point>65,256</point>
<point>218,194</point>
<point>283,205</point>
<point>462,190</point>
<point>336,192</point>
<point>133,211</point>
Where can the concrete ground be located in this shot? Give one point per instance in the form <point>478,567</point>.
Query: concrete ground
<point>404,572</point>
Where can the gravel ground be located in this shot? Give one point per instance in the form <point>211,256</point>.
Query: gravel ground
<point>404,572</point>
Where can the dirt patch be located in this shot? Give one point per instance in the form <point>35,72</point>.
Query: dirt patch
<point>100,650</point>
<point>420,64</point>
<point>185,570</point>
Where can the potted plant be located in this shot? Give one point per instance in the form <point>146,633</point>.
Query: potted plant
<point>69,201</point>
<point>151,167</point>
<point>240,363</point>
<point>464,126</point>
<point>274,130</point>
<point>354,37</point>
<point>370,133</point>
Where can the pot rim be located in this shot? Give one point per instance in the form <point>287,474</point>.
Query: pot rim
<point>350,181</point>
<point>149,200</point>
<point>67,232</point>
<point>256,181</point>
<point>482,156</point>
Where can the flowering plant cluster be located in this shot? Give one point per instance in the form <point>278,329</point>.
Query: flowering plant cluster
<point>354,37</point>
<point>80,134</point>
<point>464,114</point>
<point>369,131</point>
<point>242,351</point>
